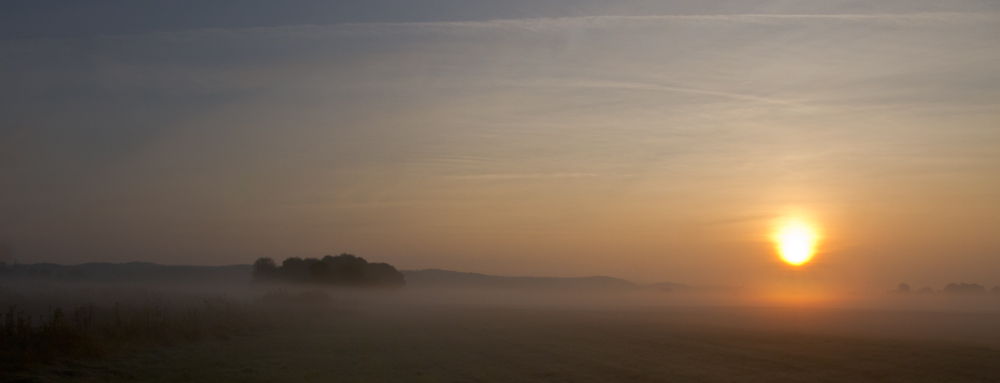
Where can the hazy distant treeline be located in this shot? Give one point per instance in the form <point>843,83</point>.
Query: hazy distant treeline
<point>131,272</point>
<point>951,288</point>
<point>341,270</point>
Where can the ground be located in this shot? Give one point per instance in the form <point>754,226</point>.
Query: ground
<point>461,343</point>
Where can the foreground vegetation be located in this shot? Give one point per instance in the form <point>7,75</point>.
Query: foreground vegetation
<point>32,338</point>
<point>90,330</point>
<point>433,343</point>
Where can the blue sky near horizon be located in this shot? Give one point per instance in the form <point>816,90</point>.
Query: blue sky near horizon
<point>647,140</point>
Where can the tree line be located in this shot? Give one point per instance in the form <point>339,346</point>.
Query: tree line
<point>342,270</point>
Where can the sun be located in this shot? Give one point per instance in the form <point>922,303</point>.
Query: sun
<point>796,242</point>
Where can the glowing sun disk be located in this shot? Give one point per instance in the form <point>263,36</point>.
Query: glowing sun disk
<point>796,242</point>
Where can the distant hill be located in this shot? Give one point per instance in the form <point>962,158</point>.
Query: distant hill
<point>445,278</point>
<point>130,272</point>
<point>146,272</point>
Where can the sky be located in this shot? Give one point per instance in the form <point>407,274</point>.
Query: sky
<point>648,140</point>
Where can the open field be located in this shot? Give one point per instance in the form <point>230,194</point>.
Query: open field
<point>384,338</point>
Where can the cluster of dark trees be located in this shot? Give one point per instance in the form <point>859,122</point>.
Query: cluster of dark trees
<point>341,270</point>
<point>952,288</point>
<point>964,288</point>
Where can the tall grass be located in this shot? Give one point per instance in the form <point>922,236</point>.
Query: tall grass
<point>32,337</point>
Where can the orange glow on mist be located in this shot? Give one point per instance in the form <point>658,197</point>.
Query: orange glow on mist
<point>802,297</point>
<point>796,242</point>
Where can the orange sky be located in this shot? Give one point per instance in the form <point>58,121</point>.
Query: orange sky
<point>653,148</point>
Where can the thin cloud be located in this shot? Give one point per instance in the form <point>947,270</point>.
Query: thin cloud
<point>667,88</point>
<point>514,176</point>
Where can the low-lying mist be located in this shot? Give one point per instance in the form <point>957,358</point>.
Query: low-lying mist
<point>49,323</point>
<point>890,313</point>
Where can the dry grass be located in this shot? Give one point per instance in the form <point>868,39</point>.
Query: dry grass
<point>67,331</point>
<point>91,330</point>
<point>461,344</point>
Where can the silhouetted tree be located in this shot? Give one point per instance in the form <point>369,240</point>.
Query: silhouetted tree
<point>342,270</point>
<point>384,274</point>
<point>265,269</point>
<point>320,272</point>
<point>347,269</point>
<point>964,288</point>
<point>294,269</point>
<point>903,288</point>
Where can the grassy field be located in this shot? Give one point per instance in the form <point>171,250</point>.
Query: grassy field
<point>360,342</point>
